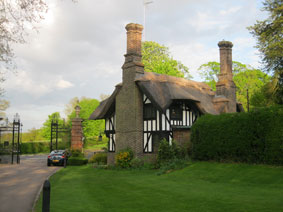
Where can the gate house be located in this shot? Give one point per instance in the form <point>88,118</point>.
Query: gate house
<point>147,107</point>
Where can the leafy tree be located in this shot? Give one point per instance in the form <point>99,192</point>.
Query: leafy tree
<point>269,35</point>
<point>4,104</point>
<point>90,127</point>
<point>264,96</point>
<point>46,129</point>
<point>32,135</point>
<point>15,19</point>
<point>157,58</point>
<point>245,77</point>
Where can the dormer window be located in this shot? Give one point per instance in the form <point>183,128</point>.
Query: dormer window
<point>149,112</point>
<point>176,112</point>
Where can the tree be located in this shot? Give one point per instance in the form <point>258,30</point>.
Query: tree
<point>15,18</point>
<point>157,58</point>
<point>269,35</point>
<point>264,96</point>
<point>90,127</point>
<point>245,77</point>
<point>4,104</point>
<point>46,129</point>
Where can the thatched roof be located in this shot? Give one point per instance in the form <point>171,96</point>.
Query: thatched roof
<point>163,89</point>
<point>104,106</point>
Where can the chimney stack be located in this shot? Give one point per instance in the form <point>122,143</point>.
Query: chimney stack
<point>134,37</point>
<point>225,49</point>
<point>133,57</point>
<point>225,86</point>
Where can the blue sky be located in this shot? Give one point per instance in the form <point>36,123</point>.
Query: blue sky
<point>80,47</point>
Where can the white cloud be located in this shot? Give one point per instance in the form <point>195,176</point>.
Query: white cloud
<point>230,11</point>
<point>62,84</point>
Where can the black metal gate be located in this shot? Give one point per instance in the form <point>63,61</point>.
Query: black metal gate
<point>55,130</point>
<point>10,140</point>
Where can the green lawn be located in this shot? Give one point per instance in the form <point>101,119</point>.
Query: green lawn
<point>202,186</point>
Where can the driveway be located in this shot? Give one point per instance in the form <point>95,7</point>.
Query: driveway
<point>20,183</point>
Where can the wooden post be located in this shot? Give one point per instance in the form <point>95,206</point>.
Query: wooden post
<point>46,196</point>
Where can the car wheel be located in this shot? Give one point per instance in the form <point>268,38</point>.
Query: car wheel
<point>48,164</point>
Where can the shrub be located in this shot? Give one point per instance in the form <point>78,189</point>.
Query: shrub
<point>254,137</point>
<point>76,153</point>
<point>32,148</point>
<point>137,163</point>
<point>171,165</point>
<point>167,152</point>
<point>77,161</point>
<point>124,157</point>
<point>99,158</point>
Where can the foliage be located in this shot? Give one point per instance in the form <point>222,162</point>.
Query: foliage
<point>170,157</point>
<point>269,35</point>
<point>4,104</point>
<point>124,157</point>
<point>202,186</point>
<point>77,161</point>
<point>254,137</point>
<point>32,135</point>
<point>16,18</point>
<point>33,148</point>
<point>46,128</point>
<point>76,153</point>
<point>167,152</point>
<point>99,158</point>
<point>40,147</point>
<point>157,58</point>
<point>264,97</point>
<point>244,76</point>
<point>90,127</point>
<point>93,143</point>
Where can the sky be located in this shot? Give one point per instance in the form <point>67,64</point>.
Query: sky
<point>79,47</point>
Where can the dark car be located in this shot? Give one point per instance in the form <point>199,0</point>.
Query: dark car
<point>57,157</point>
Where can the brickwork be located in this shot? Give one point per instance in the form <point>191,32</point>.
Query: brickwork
<point>182,136</point>
<point>77,134</point>
<point>129,105</point>
<point>225,85</point>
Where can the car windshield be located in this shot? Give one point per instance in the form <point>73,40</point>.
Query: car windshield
<point>57,152</point>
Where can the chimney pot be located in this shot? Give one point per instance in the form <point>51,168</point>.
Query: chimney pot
<point>134,36</point>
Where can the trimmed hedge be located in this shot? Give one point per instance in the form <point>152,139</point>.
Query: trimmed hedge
<point>253,137</point>
<point>77,161</point>
<point>41,147</point>
<point>37,147</point>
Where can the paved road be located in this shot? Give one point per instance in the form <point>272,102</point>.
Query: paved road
<point>20,183</point>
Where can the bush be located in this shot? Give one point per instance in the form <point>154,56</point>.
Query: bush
<point>171,165</point>
<point>124,157</point>
<point>77,153</point>
<point>77,161</point>
<point>254,137</point>
<point>167,152</point>
<point>37,147</point>
<point>99,158</point>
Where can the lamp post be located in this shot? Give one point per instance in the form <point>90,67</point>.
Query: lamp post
<point>16,130</point>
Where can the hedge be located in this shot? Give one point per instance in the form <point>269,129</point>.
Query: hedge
<point>41,147</point>
<point>251,137</point>
<point>77,161</point>
<point>99,158</point>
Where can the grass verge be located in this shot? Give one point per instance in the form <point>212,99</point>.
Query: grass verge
<point>202,186</point>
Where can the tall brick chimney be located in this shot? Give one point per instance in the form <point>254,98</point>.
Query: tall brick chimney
<point>225,85</point>
<point>133,55</point>
<point>129,101</point>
